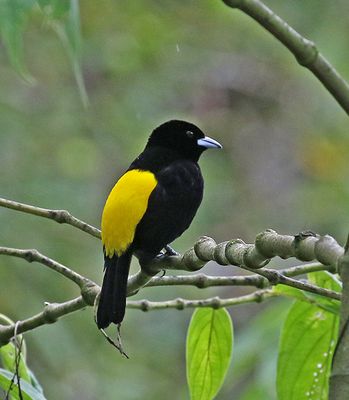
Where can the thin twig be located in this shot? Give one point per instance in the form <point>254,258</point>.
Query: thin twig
<point>60,216</point>
<point>32,255</point>
<point>214,302</point>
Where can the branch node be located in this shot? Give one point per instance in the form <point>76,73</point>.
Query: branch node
<point>201,281</point>
<point>273,276</point>
<point>204,248</point>
<point>328,251</point>
<point>31,255</point>
<point>144,305</point>
<point>304,245</point>
<point>216,303</point>
<point>89,292</point>
<point>59,216</point>
<point>48,313</point>
<point>262,242</point>
<point>192,261</point>
<point>234,251</point>
<point>180,304</point>
<point>308,56</point>
<point>219,254</point>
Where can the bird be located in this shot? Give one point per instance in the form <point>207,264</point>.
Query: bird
<point>151,205</point>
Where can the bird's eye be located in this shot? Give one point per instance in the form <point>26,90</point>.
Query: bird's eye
<point>190,134</point>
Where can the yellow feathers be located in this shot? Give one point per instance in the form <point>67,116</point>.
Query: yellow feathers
<point>124,208</point>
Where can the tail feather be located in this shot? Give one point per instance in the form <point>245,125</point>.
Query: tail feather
<point>112,301</point>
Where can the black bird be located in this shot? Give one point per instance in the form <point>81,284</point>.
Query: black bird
<point>150,206</point>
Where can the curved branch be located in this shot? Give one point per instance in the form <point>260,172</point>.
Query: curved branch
<point>303,49</point>
<point>32,255</point>
<point>60,216</point>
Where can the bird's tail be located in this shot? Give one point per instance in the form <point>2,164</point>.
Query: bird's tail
<point>112,301</point>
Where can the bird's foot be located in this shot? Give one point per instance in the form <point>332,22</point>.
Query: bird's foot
<point>169,251</point>
<point>117,344</point>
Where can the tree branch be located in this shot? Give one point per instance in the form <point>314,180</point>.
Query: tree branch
<point>339,379</point>
<point>49,315</point>
<point>32,255</point>
<point>60,216</point>
<point>202,281</point>
<point>214,302</point>
<point>252,257</point>
<point>303,49</point>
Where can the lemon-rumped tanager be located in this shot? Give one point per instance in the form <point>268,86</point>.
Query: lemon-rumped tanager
<point>150,206</point>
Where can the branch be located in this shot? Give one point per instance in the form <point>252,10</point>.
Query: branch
<point>214,302</point>
<point>339,379</point>
<point>51,313</point>
<point>60,216</point>
<point>305,246</point>
<point>303,49</point>
<point>202,281</point>
<point>268,244</point>
<point>32,255</point>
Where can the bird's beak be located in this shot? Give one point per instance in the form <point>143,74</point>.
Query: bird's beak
<point>209,143</point>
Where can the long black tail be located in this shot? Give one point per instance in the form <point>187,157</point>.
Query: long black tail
<point>112,301</point>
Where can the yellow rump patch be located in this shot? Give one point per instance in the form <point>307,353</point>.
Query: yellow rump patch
<point>124,208</point>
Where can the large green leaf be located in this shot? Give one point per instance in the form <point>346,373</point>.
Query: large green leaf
<point>305,353</point>
<point>28,392</point>
<point>209,349</point>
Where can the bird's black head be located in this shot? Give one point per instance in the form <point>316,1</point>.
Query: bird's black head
<point>182,137</point>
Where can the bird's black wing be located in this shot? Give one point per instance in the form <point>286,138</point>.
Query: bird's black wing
<point>171,208</point>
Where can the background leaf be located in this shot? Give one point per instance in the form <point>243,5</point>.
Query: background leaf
<point>209,349</point>
<point>54,8</point>
<point>306,348</point>
<point>8,361</point>
<point>28,391</point>
<point>13,18</point>
<point>68,30</point>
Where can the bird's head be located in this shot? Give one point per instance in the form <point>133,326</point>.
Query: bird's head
<point>182,137</point>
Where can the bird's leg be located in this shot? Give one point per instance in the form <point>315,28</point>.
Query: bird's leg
<point>169,251</point>
<point>117,344</point>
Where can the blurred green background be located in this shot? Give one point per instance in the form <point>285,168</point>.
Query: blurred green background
<point>284,165</point>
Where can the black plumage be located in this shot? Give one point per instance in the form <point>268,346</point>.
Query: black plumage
<point>172,155</point>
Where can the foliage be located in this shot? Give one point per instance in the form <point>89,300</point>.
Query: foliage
<point>209,348</point>
<point>16,380</point>
<point>306,348</point>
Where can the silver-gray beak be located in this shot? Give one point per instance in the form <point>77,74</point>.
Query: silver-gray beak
<point>209,143</point>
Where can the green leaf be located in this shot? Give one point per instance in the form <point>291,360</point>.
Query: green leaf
<point>305,352</point>
<point>8,361</point>
<point>13,18</point>
<point>68,30</point>
<point>328,281</point>
<point>54,8</point>
<point>208,353</point>
<point>28,391</point>
<point>325,280</point>
<point>321,278</point>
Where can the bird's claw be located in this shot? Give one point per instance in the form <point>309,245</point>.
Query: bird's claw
<point>169,251</point>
